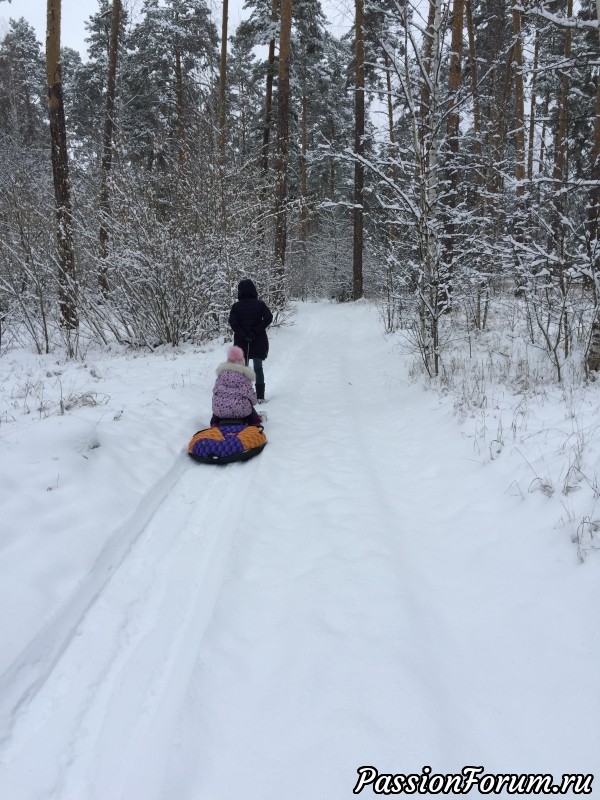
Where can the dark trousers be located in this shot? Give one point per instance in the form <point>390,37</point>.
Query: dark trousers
<point>257,364</point>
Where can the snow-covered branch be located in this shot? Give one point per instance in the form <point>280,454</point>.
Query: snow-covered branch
<point>556,19</point>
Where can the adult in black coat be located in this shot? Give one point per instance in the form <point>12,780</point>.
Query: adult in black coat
<point>250,318</point>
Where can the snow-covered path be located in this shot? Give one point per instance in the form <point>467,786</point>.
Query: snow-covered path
<point>361,593</point>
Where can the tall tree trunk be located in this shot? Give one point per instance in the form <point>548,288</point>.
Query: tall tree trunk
<point>393,149</point>
<point>264,155</point>
<point>67,278</point>
<point>359,149</point>
<point>480,198</point>
<point>453,123</point>
<point>594,207</point>
<point>455,73</point>
<point>304,176</point>
<point>180,111</point>
<point>283,111</point>
<point>559,173</point>
<point>517,66</point>
<point>560,142</point>
<point>222,121</point>
<point>531,143</point>
<point>545,110</point>
<point>594,203</point>
<point>390,107</point>
<point>593,355</point>
<point>223,82</point>
<point>519,101</point>
<point>269,95</point>
<point>497,138</point>
<point>331,173</point>
<point>107,142</point>
<point>424,114</point>
<point>474,87</point>
<point>427,121</point>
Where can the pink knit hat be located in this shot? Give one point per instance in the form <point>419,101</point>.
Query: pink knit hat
<point>236,355</point>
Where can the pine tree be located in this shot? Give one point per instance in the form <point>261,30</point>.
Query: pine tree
<point>67,279</point>
<point>359,149</point>
<point>171,66</point>
<point>22,96</point>
<point>281,184</point>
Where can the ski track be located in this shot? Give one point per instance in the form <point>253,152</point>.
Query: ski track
<point>162,678</point>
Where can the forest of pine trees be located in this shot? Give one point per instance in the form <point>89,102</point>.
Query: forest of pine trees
<point>433,157</point>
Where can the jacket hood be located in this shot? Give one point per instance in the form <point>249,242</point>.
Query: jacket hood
<point>247,289</point>
<point>227,366</point>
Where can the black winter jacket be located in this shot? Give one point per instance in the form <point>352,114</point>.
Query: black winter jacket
<point>250,318</point>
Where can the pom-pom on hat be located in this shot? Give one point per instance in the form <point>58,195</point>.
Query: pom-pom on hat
<point>236,355</point>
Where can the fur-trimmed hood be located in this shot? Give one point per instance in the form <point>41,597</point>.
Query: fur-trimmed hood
<point>228,365</point>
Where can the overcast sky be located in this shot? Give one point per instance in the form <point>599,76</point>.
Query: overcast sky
<point>76,12</point>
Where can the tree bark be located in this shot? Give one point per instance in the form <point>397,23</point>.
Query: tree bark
<point>531,143</point>
<point>474,86</point>
<point>269,95</point>
<point>223,82</point>
<point>545,111</point>
<point>593,355</point>
<point>594,203</point>
<point>594,206</point>
<point>517,65</point>
<point>517,69</point>
<point>304,176</point>
<point>359,149</point>
<point>390,107</point>
<point>560,142</point>
<point>107,142</point>
<point>180,111</point>
<point>559,173</point>
<point>453,123</point>
<point>424,114</point>
<point>393,149</point>
<point>455,73</point>
<point>67,278</point>
<point>331,177</point>
<point>283,111</point>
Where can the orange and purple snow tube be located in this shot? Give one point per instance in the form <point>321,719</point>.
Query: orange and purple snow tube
<point>230,441</point>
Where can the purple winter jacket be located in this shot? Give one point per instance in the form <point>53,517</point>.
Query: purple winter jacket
<point>233,395</point>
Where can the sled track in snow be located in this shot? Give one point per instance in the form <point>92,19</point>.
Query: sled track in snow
<point>24,679</point>
<point>20,683</point>
<point>116,665</point>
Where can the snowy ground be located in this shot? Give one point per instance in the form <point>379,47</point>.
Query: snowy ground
<point>376,588</point>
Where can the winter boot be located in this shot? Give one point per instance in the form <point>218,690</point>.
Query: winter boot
<point>260,392</point>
